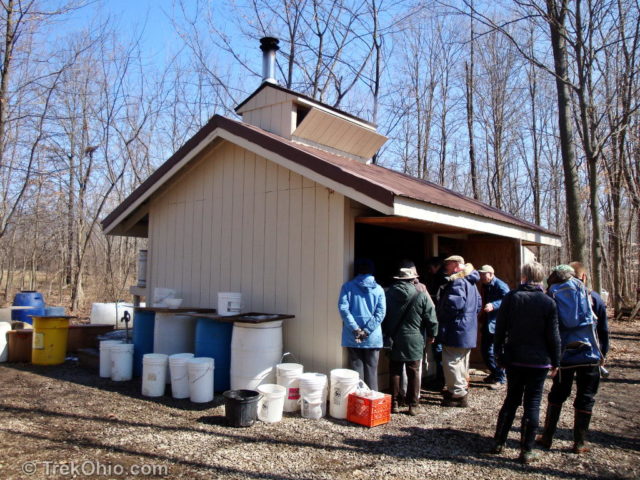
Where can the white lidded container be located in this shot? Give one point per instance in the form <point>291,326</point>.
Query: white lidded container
<point>154,373</point>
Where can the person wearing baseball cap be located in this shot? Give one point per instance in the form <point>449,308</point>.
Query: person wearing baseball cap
<point>458,305</point>
<point>493,291</point>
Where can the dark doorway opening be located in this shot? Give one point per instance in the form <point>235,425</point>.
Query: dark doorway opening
<point>387,247</point>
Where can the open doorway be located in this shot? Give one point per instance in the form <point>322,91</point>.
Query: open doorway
<point>386,247</point>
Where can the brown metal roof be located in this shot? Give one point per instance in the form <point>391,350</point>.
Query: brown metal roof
<point>376,182</point>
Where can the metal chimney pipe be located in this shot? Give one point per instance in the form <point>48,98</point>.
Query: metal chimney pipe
<point>269,47</point>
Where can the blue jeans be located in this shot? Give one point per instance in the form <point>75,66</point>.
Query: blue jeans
<point>489,357</point>
<point>525,385</point>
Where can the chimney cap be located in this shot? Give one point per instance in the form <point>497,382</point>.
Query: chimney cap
<point>269,43</point>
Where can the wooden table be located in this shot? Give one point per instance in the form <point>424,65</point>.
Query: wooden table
<point>250,317</point>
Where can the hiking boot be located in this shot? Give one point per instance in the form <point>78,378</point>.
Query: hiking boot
<point>415,410</point>
<point>527,457</point>
<point>395,407</point>
<point>461,402</point>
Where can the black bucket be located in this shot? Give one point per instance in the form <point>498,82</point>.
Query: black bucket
<point>241,407</point>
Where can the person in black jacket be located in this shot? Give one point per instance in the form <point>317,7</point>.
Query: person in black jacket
<point>527,344</point>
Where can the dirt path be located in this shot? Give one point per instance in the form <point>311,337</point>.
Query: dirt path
<point>64,420</point>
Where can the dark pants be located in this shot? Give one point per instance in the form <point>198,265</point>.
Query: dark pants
<point>365,362</point>
<point>524,384</point>
<point>587,381</point>
<point>436,348</point>
<point>413,381</point>
<point>489,357</point>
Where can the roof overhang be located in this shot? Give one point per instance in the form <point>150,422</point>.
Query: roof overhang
<point>435,214</point>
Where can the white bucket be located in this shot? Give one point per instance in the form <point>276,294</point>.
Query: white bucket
<point>229,303</point>
<point>154,371</point>
<point>287,376</point>
<point>343,382</point>
<point>271,403</point>
<point>256,348</point>
<point>4,345</point>
<point>105,357</point>
<point>313,395</point>
<point>200,379</point>
<point>179,374</point>
<point>121,362</point>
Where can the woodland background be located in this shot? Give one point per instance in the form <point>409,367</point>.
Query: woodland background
<point>530,106</point>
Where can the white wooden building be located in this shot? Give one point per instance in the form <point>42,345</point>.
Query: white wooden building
<point>278,205</point>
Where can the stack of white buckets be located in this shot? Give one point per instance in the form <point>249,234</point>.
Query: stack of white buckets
<point>189,377</point>
<point>116,360</point>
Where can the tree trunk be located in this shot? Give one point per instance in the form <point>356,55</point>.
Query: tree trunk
<point>556,18</point>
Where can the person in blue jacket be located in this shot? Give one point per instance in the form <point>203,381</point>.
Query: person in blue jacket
<point>582,368</point>
<point>362,306</point>
<point>493,290</point>
<point>459,303</point>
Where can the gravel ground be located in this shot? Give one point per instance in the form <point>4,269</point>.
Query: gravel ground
<point>65,421</point>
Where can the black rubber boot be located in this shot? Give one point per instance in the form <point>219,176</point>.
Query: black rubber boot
<point>527,439</point>
<point>580,429</point>
<point>505,420</point>
<point>550,425</point>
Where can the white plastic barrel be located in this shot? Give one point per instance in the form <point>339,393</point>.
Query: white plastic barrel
<point>313,395</point>
<point>154,371</point>
<point>343,383</point>
<point>229,303</point>
<point>179,374</point>
<point>256,348</point>
<point>287,376</point>
<point>271,403</point>
<point>200,371</point>
<point>121,362</point>
<point>4,345</point>
<point>105,357</point>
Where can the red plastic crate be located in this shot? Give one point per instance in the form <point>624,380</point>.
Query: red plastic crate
<point>369,412</point>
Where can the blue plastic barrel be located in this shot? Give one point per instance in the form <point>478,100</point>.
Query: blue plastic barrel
<point>213,339</point>
<point>143,326</point>
<point>27,298</point>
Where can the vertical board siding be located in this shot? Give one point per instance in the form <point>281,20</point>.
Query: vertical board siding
<point>239,222</point>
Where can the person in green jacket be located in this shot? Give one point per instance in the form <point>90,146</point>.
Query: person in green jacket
<point>410,321</point>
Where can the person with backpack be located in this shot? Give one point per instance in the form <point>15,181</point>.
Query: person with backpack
<point>410,318</point>
<point>583,352</point>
